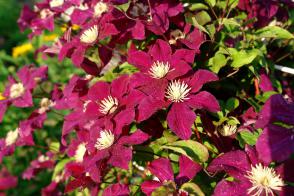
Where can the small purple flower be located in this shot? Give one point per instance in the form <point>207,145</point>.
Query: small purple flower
<point>19,92</point>
<point>7,181</point>
<point>42,162</point>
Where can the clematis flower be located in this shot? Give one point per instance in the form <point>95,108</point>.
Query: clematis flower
<point>162,169</point>
<point>42,162</point>
<point>7,181</point>
<point>251,176</point>
<point>275,142</point>
<point>190,38</point>
<point>19,92</point>
<point>91,34</point>
<point>157,68</point>
<point>116,148</point>
<point>183,95</point>
<point>113,104</point>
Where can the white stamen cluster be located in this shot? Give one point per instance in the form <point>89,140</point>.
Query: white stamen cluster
<point>43,158</point>
<point>105,140</point>
<point>80,152</point>
<point>45,13</point>
<point>11,137</point>
<point>90,35</point>
<point>175,35</point>
<point>264,181</point>
<point>159,69</point>
<point>16,90</point>
<point>177,91</point>
<point>45,105</point>
<point>56,3</point>
<point>108,105</point>
<point>100,8</point>
<point>227,130</point>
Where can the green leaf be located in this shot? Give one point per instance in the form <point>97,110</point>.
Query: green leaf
<point>247,137</point>
<point>54,146</point>
<point>203,18</point>
<point>274,32</point>
<point>211,2</point>
<point>217,62</point>
<point>230,21</point>
<point>192,149</point>
<point>232,104</point>
<point>198,6</point>
<point>243,57</point>
<point>192,189</point>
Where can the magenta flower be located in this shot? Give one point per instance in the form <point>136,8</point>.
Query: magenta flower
<point>106,143</point>
<point>19,92</point>
<point>251,176</point>
<point>183,95</point>
<point>113,104</point>
<point>42,162</point>
<point>7,181</point>
<point>190,38</point>
<point>276,143</point>
<point>157,68</point>
<point>162,169</point>
<point>91,34</point>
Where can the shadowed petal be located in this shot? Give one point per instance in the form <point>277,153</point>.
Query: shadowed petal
<point>275,144</point>
<point>235,163</point>
<point>149,186</point>
<point>200,78</point>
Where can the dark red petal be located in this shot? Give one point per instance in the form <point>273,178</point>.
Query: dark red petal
<point>180,119</point>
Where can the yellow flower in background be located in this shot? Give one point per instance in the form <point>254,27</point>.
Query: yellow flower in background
<point>2,97</point>
<point>48,38</point>
<point>22,49</point>
<point>73,27</point>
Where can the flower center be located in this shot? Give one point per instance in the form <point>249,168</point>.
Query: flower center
<point>105,140</point>
<point>56,3</point>
<point>90,35</point>
<point>100,8</point>
<point>177,91</point>
<point>80,152</point>
<point>159,69</point>
<point>264,180</point>
<point>11,137</point>
<point>175,35</point>
<point>43,158</point>
<point>108,105</point>
<point>16,90</point>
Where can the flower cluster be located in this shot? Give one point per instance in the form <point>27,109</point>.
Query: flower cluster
<point>146,104</point>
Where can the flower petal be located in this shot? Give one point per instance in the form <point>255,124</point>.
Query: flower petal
<point>275,144</point>
<point>180,119</point>
<point>203,100</point>
<point>162,169</point>
<point>161,51</point>
<point>116,190</point>
<point>149,186</point>
<point>200,78</point>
